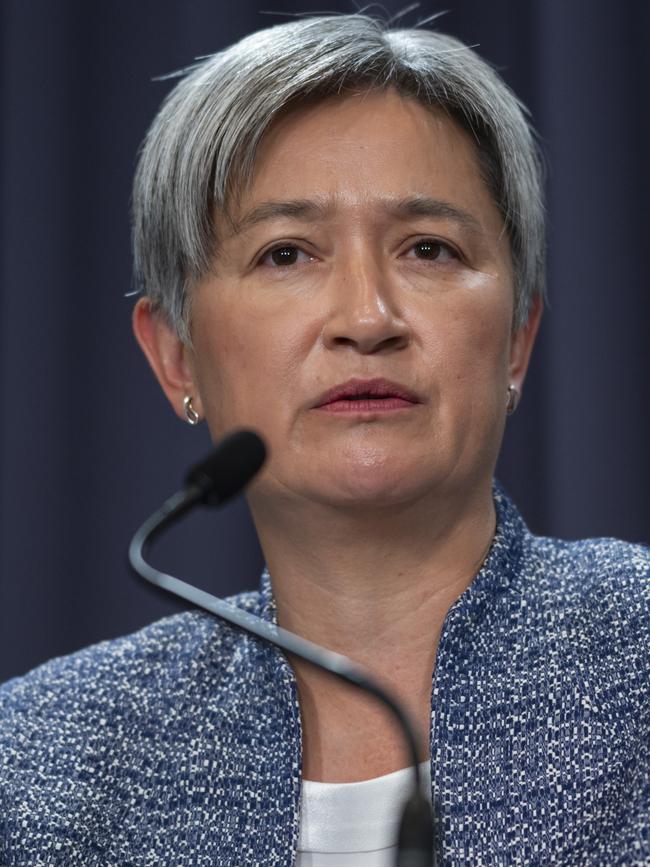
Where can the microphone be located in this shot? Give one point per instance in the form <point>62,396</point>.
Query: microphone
<point>230,467</point>
<point>224,473</point>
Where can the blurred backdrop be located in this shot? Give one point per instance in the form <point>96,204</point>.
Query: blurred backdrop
<point>88,446</point>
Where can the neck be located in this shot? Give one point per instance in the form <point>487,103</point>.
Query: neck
<point>352,579</point>
<point>375,586</point>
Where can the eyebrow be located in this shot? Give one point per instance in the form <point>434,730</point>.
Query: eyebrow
<point>424,206</point>
<point>307,210</point>
<point>310,210</point>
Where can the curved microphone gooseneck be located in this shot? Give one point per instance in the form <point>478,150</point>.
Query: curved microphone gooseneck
<point>230,467</point>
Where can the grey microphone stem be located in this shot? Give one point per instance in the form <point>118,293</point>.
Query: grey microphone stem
<point>417,810</point>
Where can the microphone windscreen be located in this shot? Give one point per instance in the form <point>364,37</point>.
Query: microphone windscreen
<point>230,467</point>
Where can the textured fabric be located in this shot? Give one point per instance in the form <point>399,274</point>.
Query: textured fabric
<point>354,824</point>
<point>181,745</point>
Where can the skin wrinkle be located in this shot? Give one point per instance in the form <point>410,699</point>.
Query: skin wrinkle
<point>346,505</point>
<point>311,211</point>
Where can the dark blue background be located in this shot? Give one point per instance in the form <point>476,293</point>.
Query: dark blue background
<point>88,445</point>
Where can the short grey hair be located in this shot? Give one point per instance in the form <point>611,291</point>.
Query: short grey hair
<point>202,144</point>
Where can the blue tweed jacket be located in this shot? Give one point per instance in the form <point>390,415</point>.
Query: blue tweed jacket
<point>181,745</point>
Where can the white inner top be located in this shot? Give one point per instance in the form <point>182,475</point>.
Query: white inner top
<point>354,823</point>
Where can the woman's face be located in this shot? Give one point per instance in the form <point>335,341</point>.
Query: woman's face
<point>366,247</point>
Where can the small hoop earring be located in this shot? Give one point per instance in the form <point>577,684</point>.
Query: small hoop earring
<point>191,414</point>
<point>513,400</point>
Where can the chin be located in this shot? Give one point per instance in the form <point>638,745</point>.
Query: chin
<point>372,484</point>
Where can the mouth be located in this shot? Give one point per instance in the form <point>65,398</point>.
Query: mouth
<point>373,395</point>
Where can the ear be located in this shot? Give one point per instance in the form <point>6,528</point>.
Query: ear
<point>168,356</point>
<point>522,345</point>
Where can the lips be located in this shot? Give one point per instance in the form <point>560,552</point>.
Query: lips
<point>366,395</point>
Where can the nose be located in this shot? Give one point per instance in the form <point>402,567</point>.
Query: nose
<point>363,313</point>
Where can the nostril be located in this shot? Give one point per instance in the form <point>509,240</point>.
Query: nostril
<point>391,344</point>
<point>367,341</point>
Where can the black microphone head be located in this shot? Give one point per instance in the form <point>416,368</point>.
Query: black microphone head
<point>230,467</point>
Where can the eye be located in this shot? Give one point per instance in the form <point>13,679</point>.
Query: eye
<point>284,256</point>
<point>432,251</point>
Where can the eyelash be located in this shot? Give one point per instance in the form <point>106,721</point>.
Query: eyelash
<point>434,242</point>
<point>268,253</point>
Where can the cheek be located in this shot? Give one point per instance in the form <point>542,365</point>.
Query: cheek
<point>482,388</point>
<point>468,348</point>
<point>484,351</point>
<point>222,361</point>
<point>473,328</point>
<point>246,360</point>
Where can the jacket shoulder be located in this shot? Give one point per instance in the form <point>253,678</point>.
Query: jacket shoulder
<point>594,591</point>
<point>120,727</point>
<point>114,685</point>
<point>587,564</point>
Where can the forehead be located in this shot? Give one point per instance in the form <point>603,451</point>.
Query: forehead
<point>363,150</point>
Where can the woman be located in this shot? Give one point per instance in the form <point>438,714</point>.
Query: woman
<point>339,242</point>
